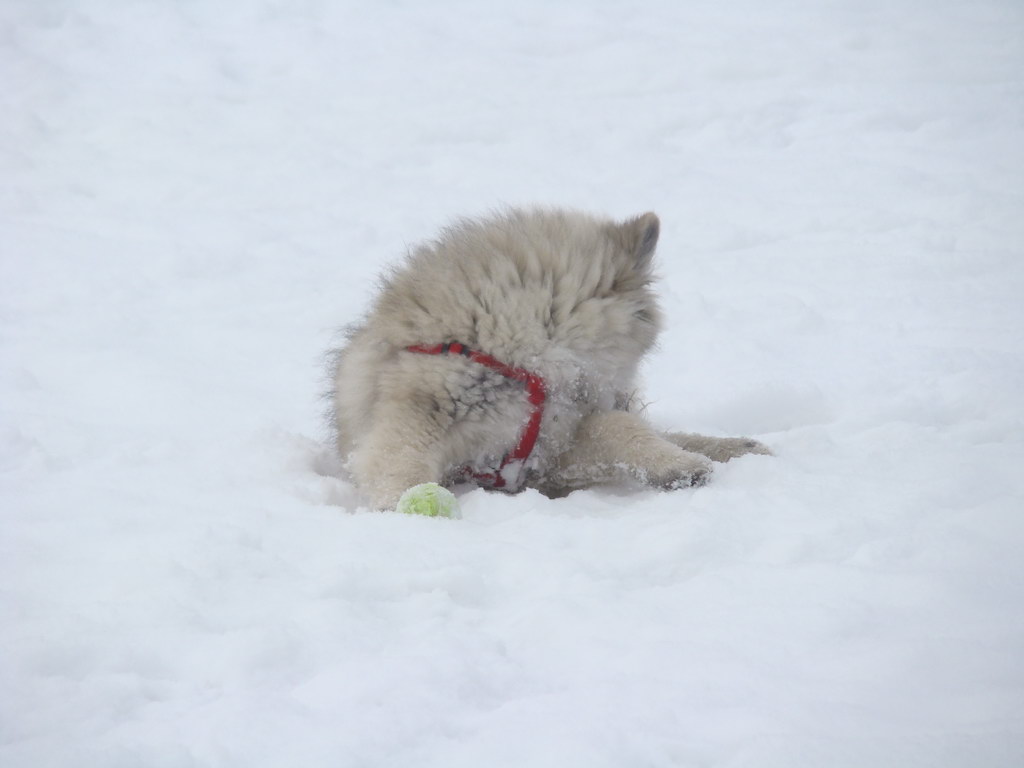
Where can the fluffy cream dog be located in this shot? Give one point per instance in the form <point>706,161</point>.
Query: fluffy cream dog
<point>506,351</point>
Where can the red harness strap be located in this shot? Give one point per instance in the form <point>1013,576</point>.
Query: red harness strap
<point>535,393</point>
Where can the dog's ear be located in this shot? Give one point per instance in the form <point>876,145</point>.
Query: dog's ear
<point>639,238</point>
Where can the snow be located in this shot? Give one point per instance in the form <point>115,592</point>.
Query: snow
<point>194,196</point>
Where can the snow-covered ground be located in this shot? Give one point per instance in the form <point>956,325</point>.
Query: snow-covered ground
<point>193,196</point>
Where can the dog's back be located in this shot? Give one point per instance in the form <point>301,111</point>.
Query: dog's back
<point>523,285</point>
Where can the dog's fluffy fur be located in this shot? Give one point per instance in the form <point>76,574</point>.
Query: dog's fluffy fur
<point>562,294</point>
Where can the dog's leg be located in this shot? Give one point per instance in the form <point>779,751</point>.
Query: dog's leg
<point>616,445</point>
<point>401,450</point>
<point>716,448</point>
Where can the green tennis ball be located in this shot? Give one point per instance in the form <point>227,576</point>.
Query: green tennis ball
<point>429,499</point>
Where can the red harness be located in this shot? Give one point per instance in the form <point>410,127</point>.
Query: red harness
<point>535,393</point>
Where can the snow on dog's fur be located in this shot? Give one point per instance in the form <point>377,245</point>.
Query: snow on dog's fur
<point>562,294</point>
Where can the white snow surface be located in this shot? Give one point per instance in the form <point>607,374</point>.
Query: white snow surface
<point>195,196</point>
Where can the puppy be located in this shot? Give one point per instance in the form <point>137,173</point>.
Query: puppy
<point>505,352</point>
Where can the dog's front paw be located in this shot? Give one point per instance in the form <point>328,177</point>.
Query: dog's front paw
<point>717,448</point>
<point>731,447</point>
<point>684,470</point>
